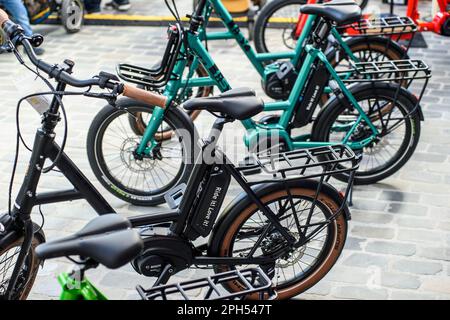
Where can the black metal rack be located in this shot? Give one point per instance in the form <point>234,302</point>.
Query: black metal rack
<point>393,70</point>
<point>302,163</point>
<point>383,26</point>
<point>253,281</point>
<point>158,76</point>
<point>402,72</point>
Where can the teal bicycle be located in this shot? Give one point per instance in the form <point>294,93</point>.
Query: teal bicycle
<point>140,163</point>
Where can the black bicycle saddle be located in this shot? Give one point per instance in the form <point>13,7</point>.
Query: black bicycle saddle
<point>340,11</point>
<point>106,239</point>
<point>237,104</point>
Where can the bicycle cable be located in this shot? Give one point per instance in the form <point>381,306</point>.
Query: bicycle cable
<point>19,136</point>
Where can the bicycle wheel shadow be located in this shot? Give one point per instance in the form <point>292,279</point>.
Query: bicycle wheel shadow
<point>382,197</point>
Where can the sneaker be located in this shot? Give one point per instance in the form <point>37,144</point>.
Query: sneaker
<point>121,5</point>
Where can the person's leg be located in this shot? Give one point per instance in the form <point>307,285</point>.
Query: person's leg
<point>19,13</point>
<point>92,6</point>
<point>121,5</point>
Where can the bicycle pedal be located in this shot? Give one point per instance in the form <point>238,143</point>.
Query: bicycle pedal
<point>173,196</point>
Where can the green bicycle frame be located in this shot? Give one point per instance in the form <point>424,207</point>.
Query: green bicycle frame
<point>73,289</point>
<point>216,78</point>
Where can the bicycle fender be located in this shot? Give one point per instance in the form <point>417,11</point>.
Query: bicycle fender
<point>12,233</point>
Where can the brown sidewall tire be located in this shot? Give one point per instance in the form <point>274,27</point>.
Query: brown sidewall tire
<point>334,250</point>
<point>34,264</point>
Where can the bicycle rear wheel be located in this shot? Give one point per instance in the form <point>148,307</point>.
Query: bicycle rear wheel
<point>275,26</point>
<point>396,114</point>
<point>300,269</point>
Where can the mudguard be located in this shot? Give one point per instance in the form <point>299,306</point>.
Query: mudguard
<point>12,233</point>
<point>333,101</point>
<point>353,41</point>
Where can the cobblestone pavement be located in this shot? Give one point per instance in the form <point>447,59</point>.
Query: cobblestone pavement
<point>399,240</point>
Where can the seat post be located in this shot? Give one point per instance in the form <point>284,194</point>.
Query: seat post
<point>81,267</point>
<point>216,131</point>
<point>321,33</point>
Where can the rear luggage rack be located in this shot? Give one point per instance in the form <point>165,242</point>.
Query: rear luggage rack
<point>302,163</point>
<point>253,282</point>
<point>401,72</point>
<point>393,70</point>
<point>383,26</point>
<point>319,164</point>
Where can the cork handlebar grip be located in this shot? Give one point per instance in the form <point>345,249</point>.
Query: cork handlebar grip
<point>3,18</point>
<point>144,96</point>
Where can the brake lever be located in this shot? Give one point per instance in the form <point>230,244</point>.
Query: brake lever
<point>111,97</point>
<point>106,96</point>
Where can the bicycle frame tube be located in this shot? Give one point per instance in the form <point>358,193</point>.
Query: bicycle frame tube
<point>201,55</point>
<point>73,289</point>
<point>346,92</point>
<point>344,45</point>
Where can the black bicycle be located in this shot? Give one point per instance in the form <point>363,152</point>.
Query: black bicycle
<point>288,220</point>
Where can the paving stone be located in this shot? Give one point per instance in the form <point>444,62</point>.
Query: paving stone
<point>354,244</point>
<point>414,235</point>
<point>353,292</point>
<point>441,285</point>
<point>411,295</point>
<point>373,232</point>
<point>419,223</point>
<point>322,288</point>
<point>409,209</point>
<point>391,247</point>
<point>417,267</point>
<point>347,275</point>
<point>364,260</point>
<point>124,280</point>
<point>399,280</point>
<point>371,217</point>
<point>416,198</point>
<point>369,205</point>
<point>435,253</point>
<point>399,196</point>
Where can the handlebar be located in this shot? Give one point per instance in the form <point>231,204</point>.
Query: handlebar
<point>61,74</point>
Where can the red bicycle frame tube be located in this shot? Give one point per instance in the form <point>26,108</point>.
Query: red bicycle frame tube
<point>301,21</point>
<point>435,25</point>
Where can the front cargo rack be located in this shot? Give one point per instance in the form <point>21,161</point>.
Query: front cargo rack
<point>252,282</point>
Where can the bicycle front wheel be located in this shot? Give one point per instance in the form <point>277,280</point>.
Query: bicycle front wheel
<point>8,258</point>
<point>140,180</point>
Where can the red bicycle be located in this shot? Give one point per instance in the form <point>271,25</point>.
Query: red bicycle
<point>439,24</point>
<point>280,24</point>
